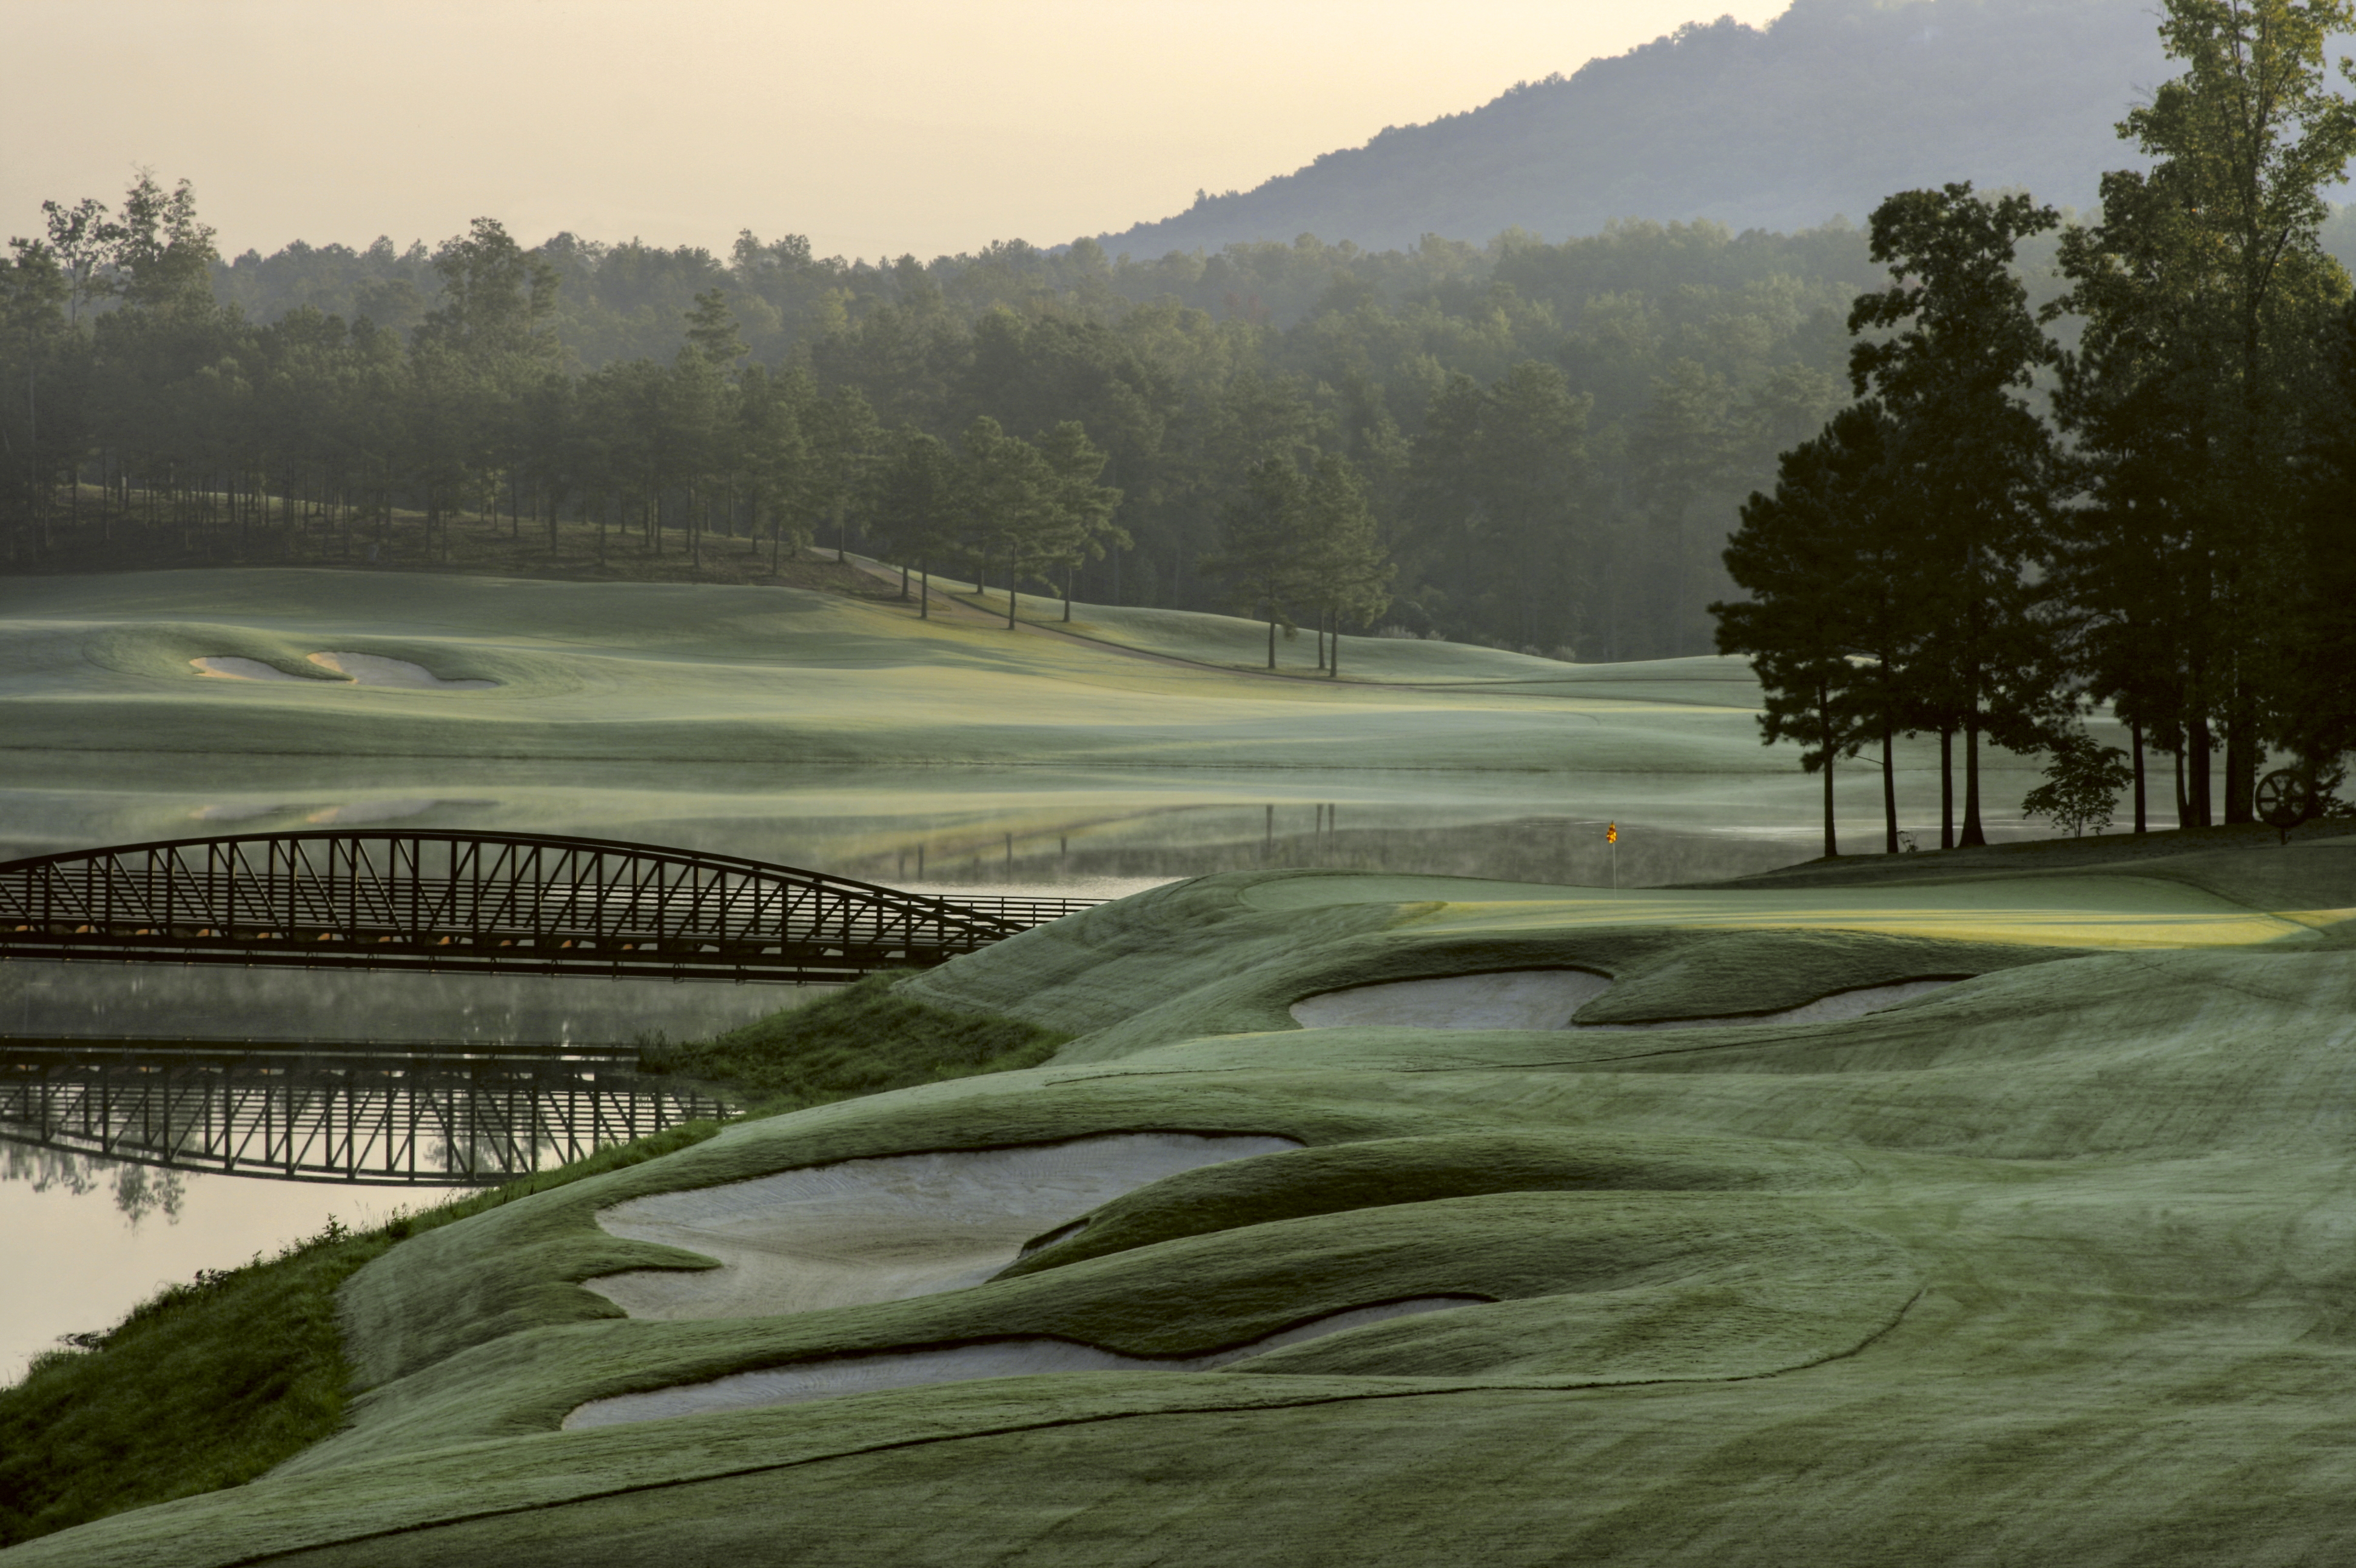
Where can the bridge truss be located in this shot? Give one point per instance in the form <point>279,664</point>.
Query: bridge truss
<point>508,903</point>
<point>459,1119</point>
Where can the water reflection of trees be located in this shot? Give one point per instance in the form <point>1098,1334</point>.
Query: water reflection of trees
<point>137,1191</point>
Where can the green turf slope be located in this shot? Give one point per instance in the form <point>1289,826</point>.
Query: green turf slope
<point>1232,643</point>
<point>719,675</point>
<point>2051,1266</point>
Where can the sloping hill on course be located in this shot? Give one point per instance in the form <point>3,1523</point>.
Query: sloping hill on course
<point>2049,1265</point>
<point>705,674</point>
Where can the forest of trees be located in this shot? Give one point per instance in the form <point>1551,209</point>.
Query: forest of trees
<point>2153,505</point>
<point>1549,441</point>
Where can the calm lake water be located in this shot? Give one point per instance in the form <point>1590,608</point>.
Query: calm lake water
<point>88,1239</point>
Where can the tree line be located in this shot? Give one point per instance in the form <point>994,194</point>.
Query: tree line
<point>2154,507</point>
<point>1547,441</point>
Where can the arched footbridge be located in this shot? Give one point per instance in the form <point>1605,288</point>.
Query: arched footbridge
<point>514,903</point>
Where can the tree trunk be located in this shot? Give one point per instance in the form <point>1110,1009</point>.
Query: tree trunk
<point>1271,637</point>
<point>2196,768</point>
<point>2135,734</point>
<point>1889,787</point>
<point>925,589</point>
<point>2242,753</point>
<point>1973,836</point>
<point>1946,786</point>
<point>1825,709</point>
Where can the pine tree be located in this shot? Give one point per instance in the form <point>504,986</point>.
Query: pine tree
<point>1952,350</point>
<point>1830,619</point>
<point>1265,546</point>
<point>1348,572</point>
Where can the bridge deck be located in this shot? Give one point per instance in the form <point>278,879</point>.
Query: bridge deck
<point>482,902</point>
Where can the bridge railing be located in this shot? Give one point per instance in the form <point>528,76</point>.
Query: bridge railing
<point>519,903</point>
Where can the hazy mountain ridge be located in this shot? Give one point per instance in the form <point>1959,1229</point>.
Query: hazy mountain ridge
<point>1832,106</point>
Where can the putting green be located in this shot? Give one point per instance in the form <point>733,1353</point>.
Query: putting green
<point>2058,912</point>
<point>2048,1265</point>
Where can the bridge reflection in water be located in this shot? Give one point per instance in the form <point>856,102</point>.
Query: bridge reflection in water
<point>458,1116</point>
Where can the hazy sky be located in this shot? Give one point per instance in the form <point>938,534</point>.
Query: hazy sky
<point>922,126</point>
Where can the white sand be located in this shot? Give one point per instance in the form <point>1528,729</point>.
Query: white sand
<point>881,1230</point>
<point>360,811</point>
<point>1546,998</point>
<point>1513,998</point>
<point>360,670</point>
<point>839,1375</point>
<point>373,670</point>
<point>230,668</point>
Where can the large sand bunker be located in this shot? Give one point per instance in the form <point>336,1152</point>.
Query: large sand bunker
<point>839,1375</point>
<point>883,1230</point>
<point>1546,998</point>
<point>360,670</point>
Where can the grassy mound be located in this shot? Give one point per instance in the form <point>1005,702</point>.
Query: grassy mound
<point>1386,1171</point>
<point>863,1040</point>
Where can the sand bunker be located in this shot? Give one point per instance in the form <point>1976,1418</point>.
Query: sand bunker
<point>883,1230</point>
<point>839,1375</point>
<point>373,670</point>
<point>1516,999</point>
<point>359,811</point>
<point>360,670</point>
<point>228,667</point>
<point>1546,998</point>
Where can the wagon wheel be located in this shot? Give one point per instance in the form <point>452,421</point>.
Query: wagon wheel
<point>2285,799</point>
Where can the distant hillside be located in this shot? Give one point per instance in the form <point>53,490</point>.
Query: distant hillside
<point>1834,105</point>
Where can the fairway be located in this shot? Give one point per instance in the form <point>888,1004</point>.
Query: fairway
<point>844,734</point>
<point>635,671</point>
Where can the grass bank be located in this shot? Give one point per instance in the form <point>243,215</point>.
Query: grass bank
<point>214,1382</point>
<point>863,1040</point>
